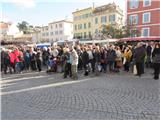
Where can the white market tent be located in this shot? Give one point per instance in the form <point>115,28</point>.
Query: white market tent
<point>98,41</point>
<point>41,45</point>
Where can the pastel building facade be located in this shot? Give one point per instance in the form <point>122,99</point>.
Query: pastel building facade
<point>144,15</point>
<point>57,31</point>
<point>88,22</point>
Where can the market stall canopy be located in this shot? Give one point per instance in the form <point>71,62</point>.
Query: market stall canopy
<point>99,41</point>
<point>136,39</point>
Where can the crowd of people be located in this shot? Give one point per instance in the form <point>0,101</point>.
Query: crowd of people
<point>92,59</point>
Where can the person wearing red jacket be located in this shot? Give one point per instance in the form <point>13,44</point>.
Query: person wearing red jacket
<point>18,60</point>
<point>12,59</point>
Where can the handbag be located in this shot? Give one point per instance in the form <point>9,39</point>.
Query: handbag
<point>119,63</point>
<point>99,68</point>
<point>134,70</point>
<point>124,60</point>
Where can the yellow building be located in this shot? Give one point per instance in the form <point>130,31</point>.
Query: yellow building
<point>82,22</point>
<point>109,14</point>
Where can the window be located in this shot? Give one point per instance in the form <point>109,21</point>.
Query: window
<point>51,33</point>
<point>133,19</point>
<point>56,26</point>
<point>96,31</point>
<point>86,15</point>
<point>134,4</point>
<point>146,3</point>
<point>103,19</point>
<point>84,25</point>
<point>83,16</point>
<point>89,25</point>
<point>80,26</point>
<point>89,33</point>
<point>75,27</point>
<point>112,18</point>
<point>96,20</point>
<point>47,34</point>
<point>84,34</point>
<point>51,26</point>
<point>145,32</point>
<point>60,25</point>
<point>56,32</point>
<point>81,35</point>
<point>146,17</point>
<point>60,32</point>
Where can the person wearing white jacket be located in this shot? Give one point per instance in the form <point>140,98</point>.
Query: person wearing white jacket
<point>74,66</point>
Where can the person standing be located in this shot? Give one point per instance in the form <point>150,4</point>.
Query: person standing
<point>33,59</point>
<point>139,57</point>
<point>118,59</point>
<point>74,66</point>
<point>111,56</point>
<point>103,59</point>
<point>27,60</point>
<point>85,59</point>
<point>149,52</point>
<point>19,60</point>
<point>6,62</point>
<point>39,60</point>
<point>67,63</point>
<point>156,61</point>
<point>97,60</point>
<point>91,62</point>
<point>127,55</point>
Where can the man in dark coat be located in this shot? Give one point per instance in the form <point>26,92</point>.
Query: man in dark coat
<point>149,52</point>
<point>156,61</point>
<point>111,56</point>
<point>39,60</point>
<point>139,57</point>
<point>85,60</point>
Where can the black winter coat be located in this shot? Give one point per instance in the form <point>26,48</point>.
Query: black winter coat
<point>85,57</point>
<point>156,55</point>
<point>140,54</point>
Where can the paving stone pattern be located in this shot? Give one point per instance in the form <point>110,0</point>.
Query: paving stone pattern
<point>105,97</point>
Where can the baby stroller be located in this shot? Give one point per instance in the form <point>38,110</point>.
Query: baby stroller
<point>52,65</point>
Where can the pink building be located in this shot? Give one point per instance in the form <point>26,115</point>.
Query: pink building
<point>144,15</point>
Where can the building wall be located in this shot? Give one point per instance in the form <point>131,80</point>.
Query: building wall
<point>58,31</point>
<point>154,4</point>
<point>92,31</point>
<point>45,33</point>
<point>68,31</point>
<point>81,19</point>
<point>118,20</point>
<point>153,9</point>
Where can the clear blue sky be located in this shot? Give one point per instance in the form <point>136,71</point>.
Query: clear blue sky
<point>38,12</point>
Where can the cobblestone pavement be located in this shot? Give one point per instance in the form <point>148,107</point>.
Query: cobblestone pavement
<point>38,96</point>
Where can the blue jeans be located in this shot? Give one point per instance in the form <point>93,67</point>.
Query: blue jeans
<point>111,65</point>
<point>19,66</point>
